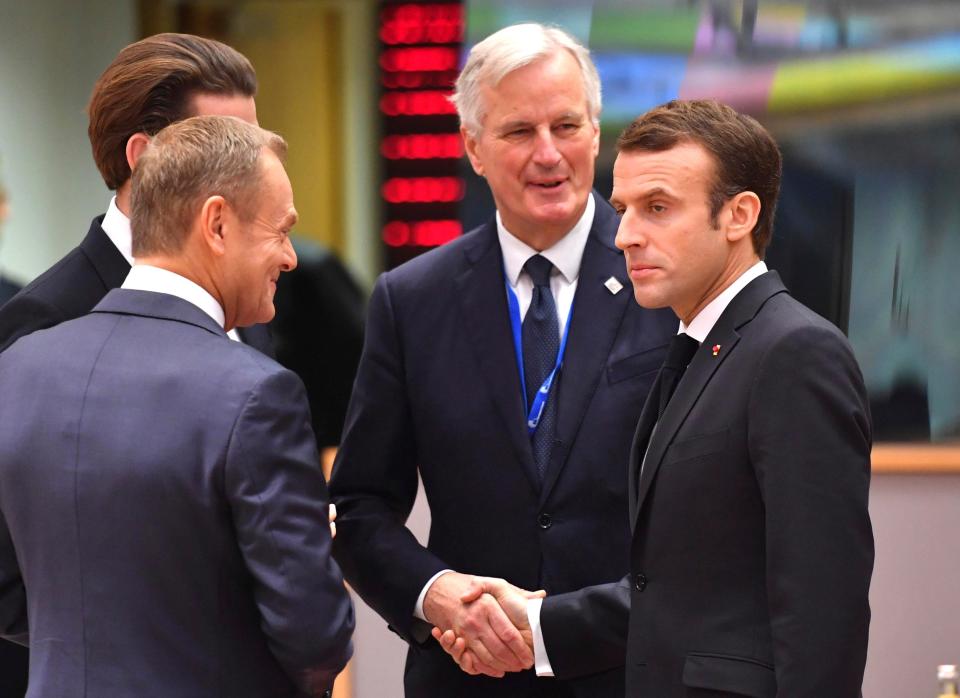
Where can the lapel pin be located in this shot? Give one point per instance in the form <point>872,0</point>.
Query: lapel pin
<point>613,285</point>
<point>716,349</point>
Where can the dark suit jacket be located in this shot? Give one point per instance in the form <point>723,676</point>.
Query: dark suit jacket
<point>8,290</point>
<point>752,546</point>
<point>72,286</point>
<point>164,511</point>
<point>438,390</point>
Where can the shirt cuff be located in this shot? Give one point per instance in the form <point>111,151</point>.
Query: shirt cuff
<point>540,660</point>
<point>418,609</point>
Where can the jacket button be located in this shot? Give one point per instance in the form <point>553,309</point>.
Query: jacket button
<point>640,582</point>
<point>545,521</point>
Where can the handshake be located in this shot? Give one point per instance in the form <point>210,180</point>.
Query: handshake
<point>481,622</point>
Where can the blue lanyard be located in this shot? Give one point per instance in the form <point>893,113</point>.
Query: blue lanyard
<point>534,411</point>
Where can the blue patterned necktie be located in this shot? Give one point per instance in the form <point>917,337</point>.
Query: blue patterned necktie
<point>541,341</point>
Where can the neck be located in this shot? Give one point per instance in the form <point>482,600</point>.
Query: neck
<point>182,266</point>
<point>123,200</point>
<point>728,275</point>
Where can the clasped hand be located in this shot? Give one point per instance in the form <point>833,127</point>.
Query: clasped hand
<point>481,622</point>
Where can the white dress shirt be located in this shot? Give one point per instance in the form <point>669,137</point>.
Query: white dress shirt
<point>117,227</point>
<point>698,328</point>
<point>565,255</point>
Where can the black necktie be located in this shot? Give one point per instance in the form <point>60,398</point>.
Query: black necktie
<point>541,341</point>
<point>681,351</point>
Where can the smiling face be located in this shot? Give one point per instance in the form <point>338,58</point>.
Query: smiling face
<point>536,147</point>
<point>676,254</point>
<point>261,250</point>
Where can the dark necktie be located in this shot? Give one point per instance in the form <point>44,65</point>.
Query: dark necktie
<point>541,341</point>
<point>681,351</point>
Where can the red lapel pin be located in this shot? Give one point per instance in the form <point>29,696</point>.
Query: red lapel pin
<point>716,349</point>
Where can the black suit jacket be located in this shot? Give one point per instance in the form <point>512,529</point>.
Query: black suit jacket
<point>438,392</point>
<point>72,286</point>
<point>8,290</point>
<point>752,547</point>
<point>162,512</point>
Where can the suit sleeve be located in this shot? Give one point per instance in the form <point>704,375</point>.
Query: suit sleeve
<point>24,314</point>
<point>374,481</point>
<point>809,440</point>
<point>585,631</point>
<point>13,594</point>
<point>278,502</point>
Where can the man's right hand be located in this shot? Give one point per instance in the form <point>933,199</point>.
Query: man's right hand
<point>457,603</point>
<point>511,601</point>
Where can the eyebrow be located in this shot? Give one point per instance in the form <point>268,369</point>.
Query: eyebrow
<point>521,123</point>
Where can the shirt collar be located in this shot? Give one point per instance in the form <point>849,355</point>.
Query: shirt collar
<point>701,325</point>
<point>143,277</point>
<point>117,227</point>
<point>566,254</point>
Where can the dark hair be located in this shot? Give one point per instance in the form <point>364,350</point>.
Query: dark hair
<point>745,154</point>
<point>149,86</point>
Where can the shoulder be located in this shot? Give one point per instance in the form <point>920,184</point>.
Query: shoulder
<point>71,286</point>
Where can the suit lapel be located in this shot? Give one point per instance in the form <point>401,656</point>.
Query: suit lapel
<point>741,310</point>
<point>486,322</point>
<point>596,318</point>
<point>109,263</point>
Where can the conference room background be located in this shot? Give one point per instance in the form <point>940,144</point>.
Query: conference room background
<point>863,96</point>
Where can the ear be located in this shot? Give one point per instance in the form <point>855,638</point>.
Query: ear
<point>136,144</point>
<point>741,213</point>
<point>470,145</point>
<point>212,223</point>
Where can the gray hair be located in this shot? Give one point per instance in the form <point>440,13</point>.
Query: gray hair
<point>511,48</point>
<point>185,164</point>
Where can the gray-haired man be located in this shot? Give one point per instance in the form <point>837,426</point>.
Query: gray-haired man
<point>508,368</point>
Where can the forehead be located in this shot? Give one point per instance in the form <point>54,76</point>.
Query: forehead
<point>240,106</point>
<point>550,84</point>
<point>684,167</point>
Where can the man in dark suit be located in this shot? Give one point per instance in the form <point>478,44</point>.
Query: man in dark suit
<point>752,547</point>
<point>459,342</point>
<point>150,84</point>
<point>161,504</point>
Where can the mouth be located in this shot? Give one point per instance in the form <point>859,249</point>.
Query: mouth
<point>548,184</point>
<point>639,270</point>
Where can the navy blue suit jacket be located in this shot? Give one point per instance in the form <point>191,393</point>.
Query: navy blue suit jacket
<point>438,392</point>
<point>163,523</point>
<point>76,283</point>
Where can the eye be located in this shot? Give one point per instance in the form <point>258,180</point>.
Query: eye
<point>658,208</point>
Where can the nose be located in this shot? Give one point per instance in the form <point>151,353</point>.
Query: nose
<point>545,151</point>
<point>629,232</point>
<point>289,256</point>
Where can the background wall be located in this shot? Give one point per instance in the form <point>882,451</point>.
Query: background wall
<point>51,53</point>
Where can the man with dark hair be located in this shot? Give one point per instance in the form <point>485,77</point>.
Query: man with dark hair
<point>161,502</point>
<point>150,84</point>
<point>752,546</point>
